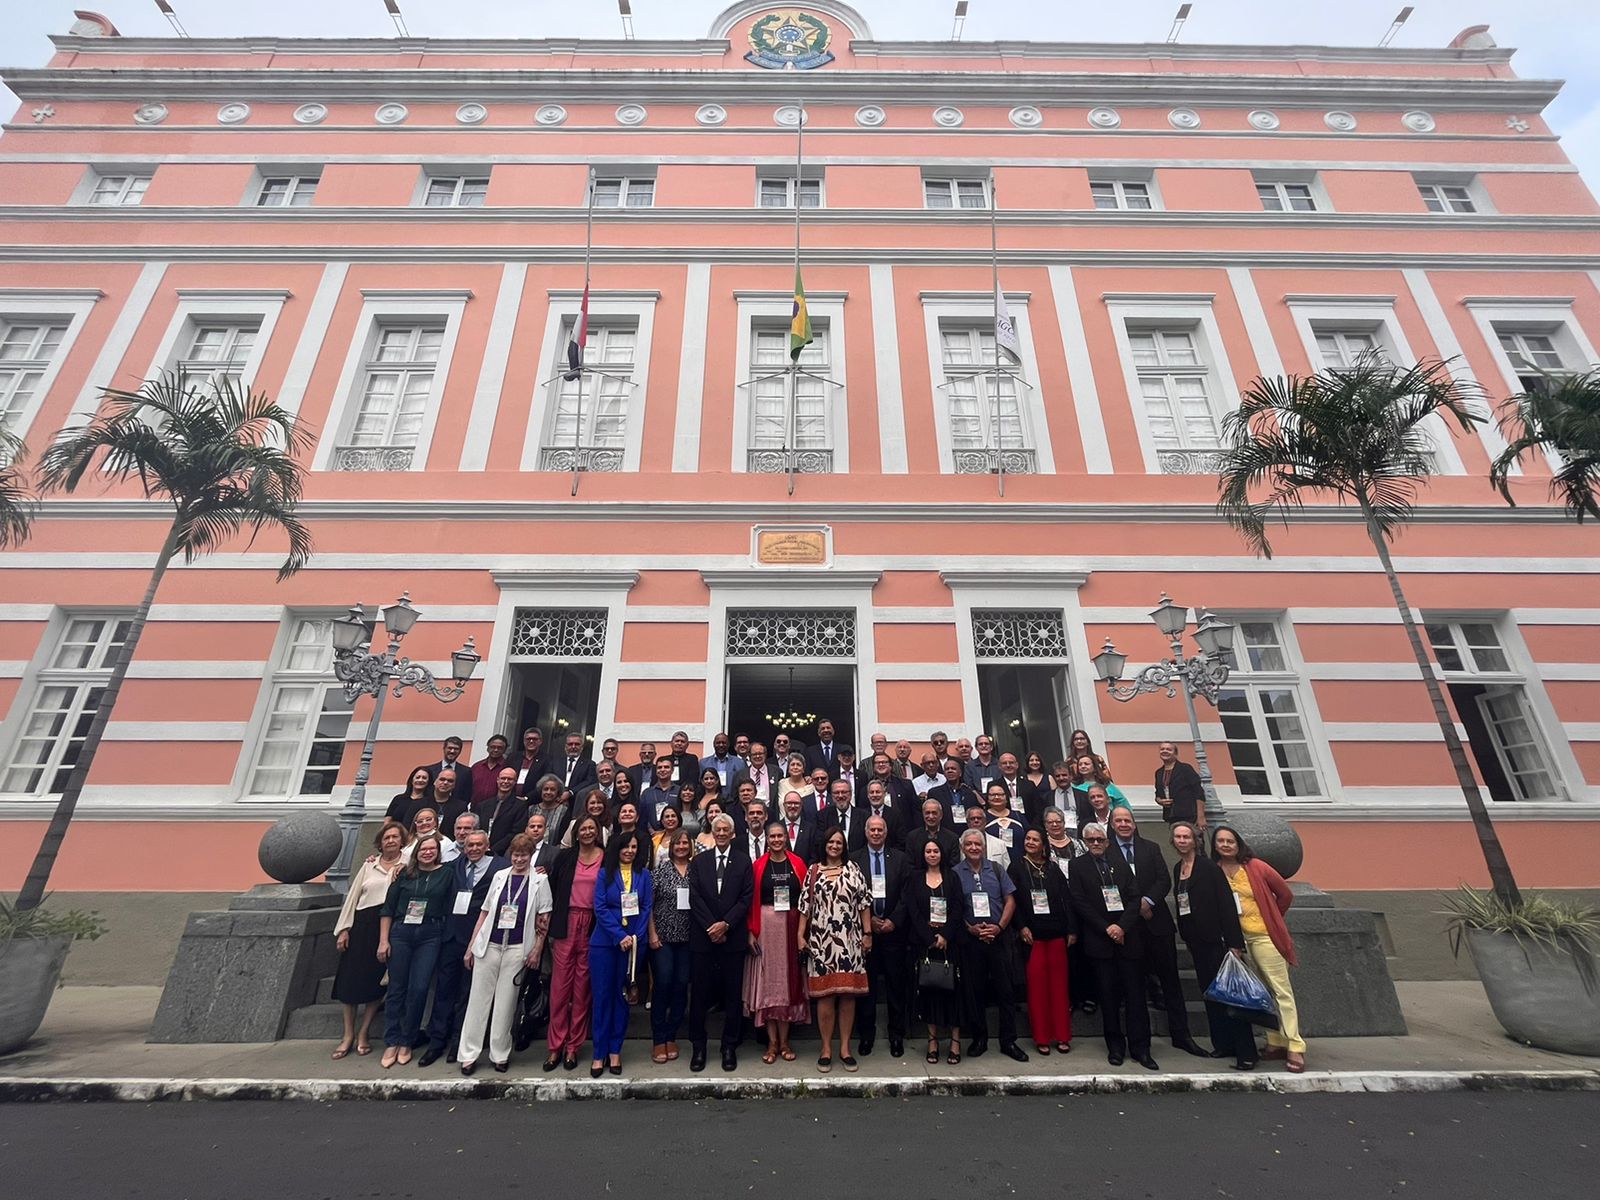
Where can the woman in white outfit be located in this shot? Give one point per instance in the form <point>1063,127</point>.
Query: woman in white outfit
<point>509,937</point>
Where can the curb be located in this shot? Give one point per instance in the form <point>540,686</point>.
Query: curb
<point>22,1090</point>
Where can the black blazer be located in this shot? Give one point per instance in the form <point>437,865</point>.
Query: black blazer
<point>1188,794</point>
<point>459,928</point>
<point>463,777</point>
<point>1060,920</point>
<point>806,845</point>
<point>771,798</point>
<point>583,773</point>
<point>949,846</point>
<point>1151,877</point>
<point>895,818</point>
<point>688,767</point>
<point>857,835</point>
<point>537,769</point>
<point>561,875</point>
<point>920,933</point>
<point>830,763</point>
<point>1079,804</point>
<point>901,794</point>
<point>643,776</point>
<point>956,801</point>
<point>1213,917</point>
<point>504,825</point>
<point>895,873</point>
<point>1084,883</point>
<point>707,907</point>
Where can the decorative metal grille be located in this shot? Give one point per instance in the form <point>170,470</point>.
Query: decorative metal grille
<point>1189,462</point>
<point>987,462</point>
<point>1019,633</point>
<point>791,633</point>
<point>806,462</point>
<point>559,632</point>
<point>373,458</point>
<point>589,458</point>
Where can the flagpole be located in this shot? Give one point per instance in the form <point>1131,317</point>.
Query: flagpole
<point>794,360</point>
<point>994,260</point>
<point>583,316</point>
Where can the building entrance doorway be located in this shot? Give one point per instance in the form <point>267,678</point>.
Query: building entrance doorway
<point>759,692</point>
<point>555,698</point>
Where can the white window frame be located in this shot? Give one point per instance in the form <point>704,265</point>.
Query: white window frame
<point>131,176</point>
<point>278,676</point>
<point>49,306</point>
<point>615,305</point>
<point>1278,180</point>
<point>1552,316</point>
<point>820,357</point>
<point>1375,315</point>
<point>1476,195</point>
<point>202,306</point>
<point>981,370</point>
<point>625,181</point>
<point>302,182</point>
<point>599,331</point>
<point>390,307</point>
<point>939,308</point>
<point>954,182</point>
<point>1194,311</point>
<point>1119,181</point>
<point>40,675</point>
<point>808,180</point>
<point>766,308</point>
<point>1294,677</point>
<point>460,178</point>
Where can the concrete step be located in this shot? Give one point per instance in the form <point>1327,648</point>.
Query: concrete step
<point>320,1022</point>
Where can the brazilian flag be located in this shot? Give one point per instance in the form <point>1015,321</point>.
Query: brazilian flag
<point>800,322</point>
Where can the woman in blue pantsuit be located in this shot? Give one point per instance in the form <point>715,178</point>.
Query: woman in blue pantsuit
<point>623,895</point>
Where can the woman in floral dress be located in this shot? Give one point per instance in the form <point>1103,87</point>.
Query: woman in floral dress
<point>836,931</point>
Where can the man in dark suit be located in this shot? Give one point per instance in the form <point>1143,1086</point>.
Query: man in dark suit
<point>1154,882</point>
<point>643,772</point>
<point>876,805</point>
<point>888,966</point>
<point>1019,791</point>
<point>1070,800</point>
<point>801,827</point>
<point>530,764</point>
<point>545,856</point>
<point>983,766</point>
<point>955,795</point>
<point>575,769</point>
<point>899,793</point>
<point>503,813</point>
<point>751,839</point>
<point>932,829</point>
<point>842,813</point>
<point>763,774</point>
<point>685,766</point>
<point>721,885</point>
<point>849,769</point>
<point>1106,900</point>
<point>825,753</point>
<point>472,871</point>
<point>450,762</point>
<point>604,783</point>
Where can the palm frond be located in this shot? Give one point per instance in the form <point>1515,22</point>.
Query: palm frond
<point>17,501</point>
<point>1562,420</point>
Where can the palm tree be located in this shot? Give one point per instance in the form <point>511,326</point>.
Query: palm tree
<point>16,503</point>
<point>1356,434</point>
<point>1562,418</point>
<point>224,459</point>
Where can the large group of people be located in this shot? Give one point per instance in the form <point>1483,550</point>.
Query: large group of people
<point>797,885</point>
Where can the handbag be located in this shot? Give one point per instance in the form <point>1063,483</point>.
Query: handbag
<point>532,1017</point>
<point>936,974</point>
<point>1242,995</point>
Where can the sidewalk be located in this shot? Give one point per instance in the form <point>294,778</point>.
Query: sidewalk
<point>92,1047</point>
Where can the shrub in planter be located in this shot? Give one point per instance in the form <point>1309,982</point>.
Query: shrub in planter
<point>1539,961</point>
<point>33,945</point>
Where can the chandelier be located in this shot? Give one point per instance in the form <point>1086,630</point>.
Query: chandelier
<point>790,718</point>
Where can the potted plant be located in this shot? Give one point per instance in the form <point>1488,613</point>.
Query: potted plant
<point>33,945</point>
<point>1539,961</point>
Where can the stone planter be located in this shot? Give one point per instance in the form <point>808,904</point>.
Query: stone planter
<point>1537,993</point>
<point>30,968</point>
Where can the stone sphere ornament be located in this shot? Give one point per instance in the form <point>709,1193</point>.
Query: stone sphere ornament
<point>300,847</point>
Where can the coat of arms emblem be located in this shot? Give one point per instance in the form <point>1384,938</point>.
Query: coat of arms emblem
<point>789,41</point>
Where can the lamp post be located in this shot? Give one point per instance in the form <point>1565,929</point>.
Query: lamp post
<point>364,673</point>
<point>1204,673</point>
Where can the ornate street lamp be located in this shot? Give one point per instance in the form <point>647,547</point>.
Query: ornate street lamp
<point>364,673</point>
<point>1203,673</point>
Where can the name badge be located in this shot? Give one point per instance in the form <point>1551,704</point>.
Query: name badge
<point>508,916</point>
<point>880,888</point>
<point>415,911</point>
<point>462,904</point>
<point>1016,804</point>
<point>522,776</point>
<point>674,772</point>
<point>983,785</point>
<point>780,901</point>
<point>683,899</point>
<point>1183,904</point>
<point>980,904</point>
<point>1041,902</point>
<point>938,910</point>
<point>1113,899</point>
<point>630,904</point>
<point>1238,904</point>
<point>1064,863</point>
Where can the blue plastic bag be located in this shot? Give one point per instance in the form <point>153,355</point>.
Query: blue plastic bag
<point>1242,994</point>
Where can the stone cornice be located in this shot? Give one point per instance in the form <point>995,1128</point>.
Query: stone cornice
<point>766,576</point>
<point>577,86</point>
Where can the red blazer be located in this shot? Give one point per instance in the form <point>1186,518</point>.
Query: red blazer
<point>1264,882</point>
<point>760,868</point>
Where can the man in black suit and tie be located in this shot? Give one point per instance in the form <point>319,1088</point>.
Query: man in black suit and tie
<point>932,829</point>
<point>1106,900</point>
<point>825,753</point>
<point>849,769</point>
<point>531,764</point>
<point>545,856</point>
<point>685,766</point>
<point>761,773</point>
<point>472,871</point>
<point>721,884</point>
<point>1073,803</point>
<point>574,769</point>
<point>504,814</point>
<point>1019,791</point>
<point>801,827</point>
<point>897,791</point>
<point>643,772</point>
<point>1154,882</point>
<point>876,806</point>
<point>842,813</point>
<point>954,795</point>
<point>752,839</point>
<point>450,762</point>
<point>888,967</point>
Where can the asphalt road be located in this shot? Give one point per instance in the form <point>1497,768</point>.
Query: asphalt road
<point>1461,1146</point>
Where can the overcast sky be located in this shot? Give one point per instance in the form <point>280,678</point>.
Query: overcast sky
<point>1555,39</point>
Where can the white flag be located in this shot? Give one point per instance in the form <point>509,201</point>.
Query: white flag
<point>1005,333</point>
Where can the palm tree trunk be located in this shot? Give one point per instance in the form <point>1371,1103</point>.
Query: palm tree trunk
<point>45,860</point>
<point>1494,854</point>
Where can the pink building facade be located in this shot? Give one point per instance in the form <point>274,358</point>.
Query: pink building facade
<point>388,237</point>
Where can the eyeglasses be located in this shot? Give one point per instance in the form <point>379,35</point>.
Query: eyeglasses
<point>1093,840</point>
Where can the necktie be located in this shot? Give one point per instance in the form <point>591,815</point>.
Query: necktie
<point>877,869</point>
<point>722,866</point>
<point>1127,852</point>
<point>792,833</point>
<point>827,751</point>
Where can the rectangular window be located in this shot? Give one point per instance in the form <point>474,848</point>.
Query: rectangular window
<point>1341,348</point>
<point>308,718</point>
<point>287,191</point>
<point>1286,197</point>
<point>1263,720</point>
<point>396,387</point>
<point>955,193</point>
<point>1447,197</point>
<point>597,431</point>
<point>625,191</point>
<point>777,191</point>
<point>217,351</point>
<point>777,424</point>
<point>456,191</point>
<point>27,348</point>
<point>1176,388</point>
<point>1120,194</point>
<point>63,707</point>
<point>985,407</point>
<point>119,190</point>
<point>1534,356</point>
<point>1490,696</point>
